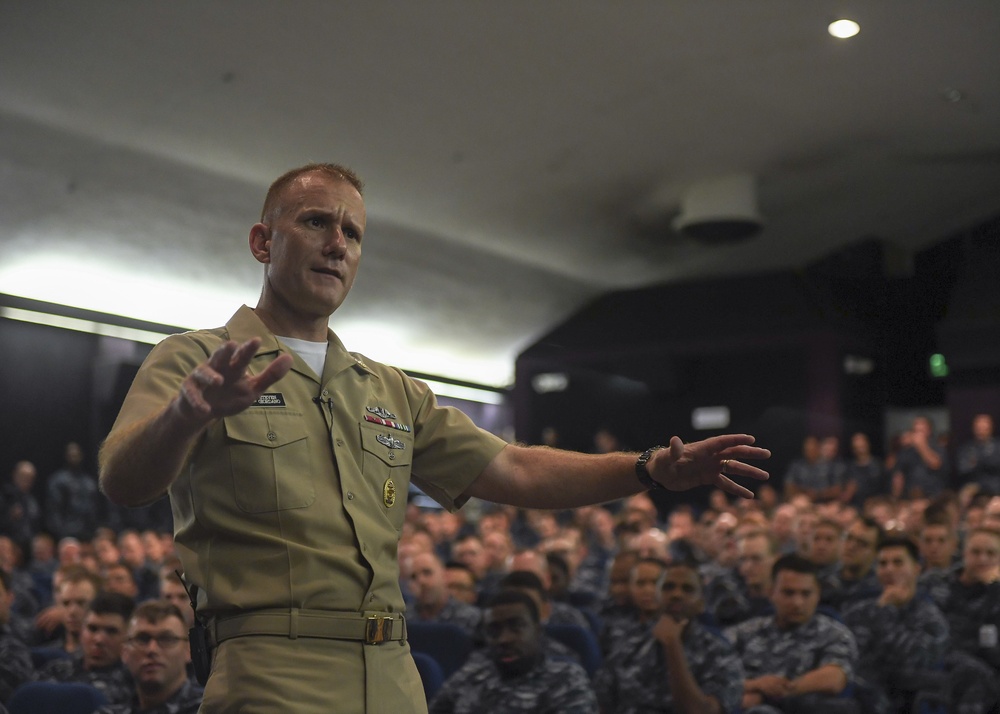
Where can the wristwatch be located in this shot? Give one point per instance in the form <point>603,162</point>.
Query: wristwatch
<point>642,474</point>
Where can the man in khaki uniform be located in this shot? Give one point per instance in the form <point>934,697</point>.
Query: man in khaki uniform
<point>288,460</point>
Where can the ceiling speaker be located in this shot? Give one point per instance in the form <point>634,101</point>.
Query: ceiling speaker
<point>720,210</point>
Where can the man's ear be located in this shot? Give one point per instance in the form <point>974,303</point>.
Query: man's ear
<point>260,242</point>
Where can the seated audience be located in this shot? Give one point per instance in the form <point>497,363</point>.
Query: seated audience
<point>938,550</point>
<point>979,459</point>
<point>971,600</point>
<point>674,664</point>
<point>824,547</point>
<point>864,475</point>
<point>855,578</point>
<point>807,475</point>
<point>431,600</point>
<point>529,584</point>
<point>783,527</point>
<point>921,467</point>
<point>899,634</point>
<point>119,578</point>
<point>15,658</point>
<point>133,553</point>
<point>75,587</point>
<point>796,653</point>
<point>173,591</point>
<point>517,675</point>
<point>470,552</point>
<point>157,654</point>
<point>644,608</point>
<point>98,663</point>
<point>461,582</point>
<point>552,611</point>
<point>757,553</point>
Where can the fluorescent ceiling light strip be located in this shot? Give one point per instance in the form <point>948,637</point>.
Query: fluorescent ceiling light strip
<point>458,391</point>
<point>89,326</point>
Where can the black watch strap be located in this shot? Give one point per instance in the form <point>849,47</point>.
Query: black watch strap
<point>643,474</point>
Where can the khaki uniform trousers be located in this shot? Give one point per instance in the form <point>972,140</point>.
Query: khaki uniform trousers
<point>266,674</point>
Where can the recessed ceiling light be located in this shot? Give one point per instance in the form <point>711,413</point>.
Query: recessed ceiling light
<point>843,29</point>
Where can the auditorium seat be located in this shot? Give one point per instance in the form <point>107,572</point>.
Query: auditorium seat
<point>447,643</point>
<point>61,697</point>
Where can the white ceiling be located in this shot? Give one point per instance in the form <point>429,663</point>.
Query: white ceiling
<point>517,154</point>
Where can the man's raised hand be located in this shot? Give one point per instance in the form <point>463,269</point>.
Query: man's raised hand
<point>221,386</point>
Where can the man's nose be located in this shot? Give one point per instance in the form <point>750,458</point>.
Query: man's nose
<point>336,243</point>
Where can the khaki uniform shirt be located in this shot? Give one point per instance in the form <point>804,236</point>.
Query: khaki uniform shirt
<point>299,500</point>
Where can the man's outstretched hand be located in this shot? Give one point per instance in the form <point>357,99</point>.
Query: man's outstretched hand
<point>221,385</point>
<point>708,463</point>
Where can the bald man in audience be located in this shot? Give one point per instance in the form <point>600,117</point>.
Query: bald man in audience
<point>432,601</point>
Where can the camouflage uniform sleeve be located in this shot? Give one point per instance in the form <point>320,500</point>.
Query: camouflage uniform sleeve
<point>15,666</point>
<point>836,646</point>
<point>605,687</point>
<point>444,701</point>
<point>570,691</point>
<point>57,670</point>
<point>717,669</point>
<point>890,638</point>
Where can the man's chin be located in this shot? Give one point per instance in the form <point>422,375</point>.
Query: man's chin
<point>512,666</point>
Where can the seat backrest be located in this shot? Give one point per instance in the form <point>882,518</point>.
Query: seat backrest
<point>62,697</point>
<point>581,641</point>
<point>40,656</point>
<point>447,643</point>
<point>431,673</point>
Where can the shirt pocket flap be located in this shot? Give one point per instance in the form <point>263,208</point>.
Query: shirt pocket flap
<point>269,432</point>
<point>391,447</point>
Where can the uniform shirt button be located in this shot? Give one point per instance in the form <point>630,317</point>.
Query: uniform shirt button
<point>326,392</point>
<point>350,495</point>
<point>340,442</point>
<point>271,436</point>
<point>392,454</point>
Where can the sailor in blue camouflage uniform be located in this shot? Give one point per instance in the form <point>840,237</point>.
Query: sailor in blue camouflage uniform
<point>797,658</point>
<point>970,601</point>
<point>900,635</point>
<point>517,676</point>
<point>98,662</point>
<point>855,579</point>
<point>157,654</point>
<point>15,658</point>
<point>644,586</point>
<point>677,664</point>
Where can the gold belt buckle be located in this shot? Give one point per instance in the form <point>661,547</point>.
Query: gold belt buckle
<point>378,629</point>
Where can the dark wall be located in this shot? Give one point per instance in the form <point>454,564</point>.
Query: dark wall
<point>47,384</point>
<point>781,350</point>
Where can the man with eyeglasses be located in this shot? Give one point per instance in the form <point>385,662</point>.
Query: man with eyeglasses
<point>157,653</point>
<point>855,580</point>
<point>99,661</point>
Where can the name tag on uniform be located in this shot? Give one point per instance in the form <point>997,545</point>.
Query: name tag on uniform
<point>270,399</point>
